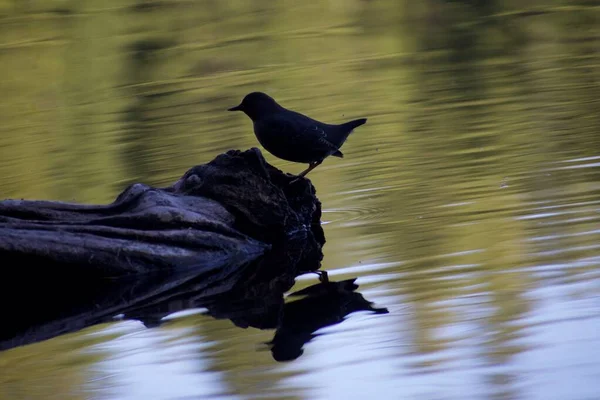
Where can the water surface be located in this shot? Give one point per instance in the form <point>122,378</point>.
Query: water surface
<point>468,205</point>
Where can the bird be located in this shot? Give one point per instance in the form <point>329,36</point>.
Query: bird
<point>292,136</point>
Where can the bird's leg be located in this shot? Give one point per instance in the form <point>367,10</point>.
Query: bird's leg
<point>311,166</point>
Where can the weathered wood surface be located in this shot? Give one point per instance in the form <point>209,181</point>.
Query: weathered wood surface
<point>226,212</point>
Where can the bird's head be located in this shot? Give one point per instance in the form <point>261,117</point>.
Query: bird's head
<point>257,104</point>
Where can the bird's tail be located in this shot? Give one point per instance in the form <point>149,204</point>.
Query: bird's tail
<point>339,136</point>
<point>350,125</point>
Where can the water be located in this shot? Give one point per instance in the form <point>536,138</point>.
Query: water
<point>468,206</point>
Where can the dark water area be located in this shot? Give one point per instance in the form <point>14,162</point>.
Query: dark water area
<point>468,206</point>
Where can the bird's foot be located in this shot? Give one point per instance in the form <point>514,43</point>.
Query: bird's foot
<point>323,276</point>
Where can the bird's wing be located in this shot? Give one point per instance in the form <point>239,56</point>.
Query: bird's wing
<point>305,133</point>
<point>322,138</point>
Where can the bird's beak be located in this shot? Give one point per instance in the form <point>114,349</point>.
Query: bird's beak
<point>236,108</point>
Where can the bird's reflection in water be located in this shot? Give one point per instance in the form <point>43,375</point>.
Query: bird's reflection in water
<point>325,304</point>
<point>251,295</point>
<point>295,322</point>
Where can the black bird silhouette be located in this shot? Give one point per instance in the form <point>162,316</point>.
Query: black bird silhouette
<point>292,136</point>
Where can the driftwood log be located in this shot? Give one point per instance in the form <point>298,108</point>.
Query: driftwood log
<point>223,213</point>
<point>230,236</point>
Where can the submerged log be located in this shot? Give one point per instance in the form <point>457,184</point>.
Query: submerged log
<point>226,212</point>
<point>40,309</point>
<point>249,295</point>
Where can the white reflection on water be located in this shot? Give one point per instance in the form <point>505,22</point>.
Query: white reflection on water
<point>370,355</point>
<point>157,364</point>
